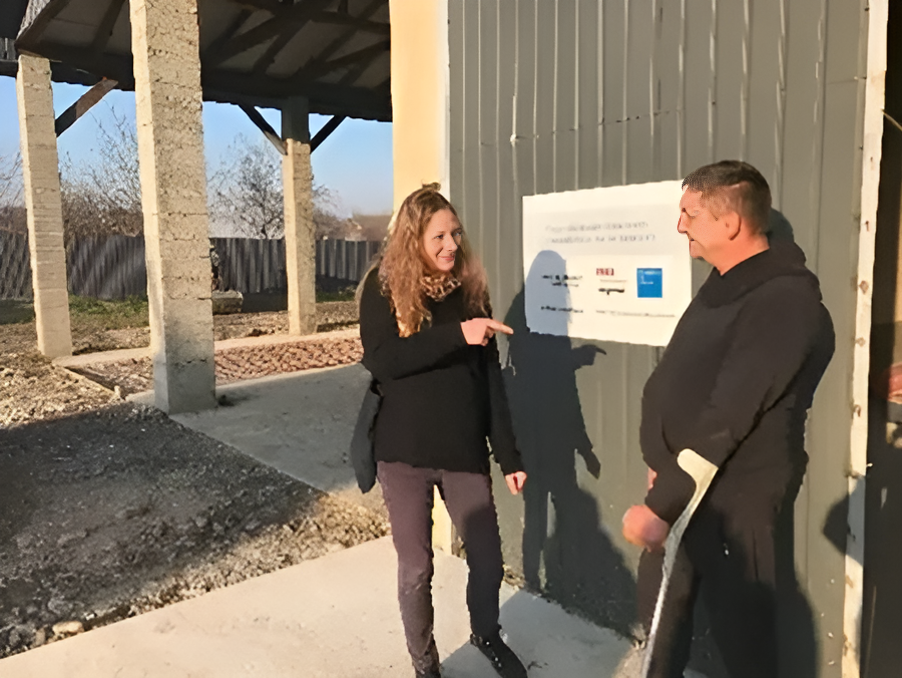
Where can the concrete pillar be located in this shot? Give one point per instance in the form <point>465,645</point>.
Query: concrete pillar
<point>420,91</point>
<point>300,234</point>
<point>40,169</point>
<point>165,45</point>
<point>420,86</point>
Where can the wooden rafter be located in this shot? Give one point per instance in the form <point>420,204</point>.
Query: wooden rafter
<point>271,6</point>
<point>33,32</point>
<point>229,33</point>
<point>102,37</point>
<point>297,15</point>
<point>87,100</point>
<point>269,56</point>
<point>233,87</point>
<point>325,131</point>
<point>346,36</point>
<point>365,55</point>
<point>264,127</point>
<point>358,24</point>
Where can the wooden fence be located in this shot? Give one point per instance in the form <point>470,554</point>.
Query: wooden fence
<point>112,267</point>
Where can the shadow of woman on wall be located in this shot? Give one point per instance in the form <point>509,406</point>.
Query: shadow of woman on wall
<point>567,555</point>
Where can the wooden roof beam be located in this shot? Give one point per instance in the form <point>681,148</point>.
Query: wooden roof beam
<point>365,55</point>
<point>102,37</point>
<point>357,23</point>
<point>84,104</point>
<point>264,127</point>
<point>271,6</point>
<point>325,131</point>
<point>346,36</point>
<point>297,15</point>
<point>223,38</point>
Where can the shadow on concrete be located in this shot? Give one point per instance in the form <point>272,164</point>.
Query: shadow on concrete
<point>551,644</point>
<point>299,423</point>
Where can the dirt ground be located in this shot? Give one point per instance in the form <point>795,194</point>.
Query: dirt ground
<point>108,509</point>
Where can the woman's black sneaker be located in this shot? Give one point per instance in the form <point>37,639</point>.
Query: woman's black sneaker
<point>429,673</point>
<point>503,659</point>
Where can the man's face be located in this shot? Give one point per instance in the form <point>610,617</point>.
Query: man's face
<point>706,235</point>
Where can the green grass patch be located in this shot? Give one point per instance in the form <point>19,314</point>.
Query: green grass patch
<point>109,314</point>
<point>15,311</point>
<point>346,294</point>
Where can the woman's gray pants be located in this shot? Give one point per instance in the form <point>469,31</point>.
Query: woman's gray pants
<point>408,493</point>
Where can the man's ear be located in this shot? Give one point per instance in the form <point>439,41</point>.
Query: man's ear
<point>733,224</point>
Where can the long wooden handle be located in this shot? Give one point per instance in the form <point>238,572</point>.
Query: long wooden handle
<point>702,472</point>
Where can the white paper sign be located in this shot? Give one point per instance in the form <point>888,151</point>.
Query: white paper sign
<point>606,263</point>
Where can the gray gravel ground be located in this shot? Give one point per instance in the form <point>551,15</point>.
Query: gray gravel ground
<point>110,513</point>
<point>109,509</point>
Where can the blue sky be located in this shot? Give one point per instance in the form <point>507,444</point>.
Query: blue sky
<point>355,161</point>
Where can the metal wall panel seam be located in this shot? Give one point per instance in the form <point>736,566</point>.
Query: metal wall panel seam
<point>681,93</point>
<point>712,83</point>
<point>878,16</point>
<point>600,96</point>
<point>813,250</point>
<point>554,121</point>
<point>746,78</point>
<point>653,90</point>
<point>479,164</point>
<point>535,98</point>
<point>496,141</point>
<point>576,92</point>
<point>624,148</point>
<point>780,131</point>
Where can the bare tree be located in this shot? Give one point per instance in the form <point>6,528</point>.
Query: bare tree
<point>12,209</point>
<point>245,191</point>
<point>103,196</point>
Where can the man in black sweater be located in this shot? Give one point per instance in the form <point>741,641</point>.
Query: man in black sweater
<point>734,386</point>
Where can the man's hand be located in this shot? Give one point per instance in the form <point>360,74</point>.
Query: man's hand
<point>515,481</point>
<point>643,528</point>
<point>478,331</point>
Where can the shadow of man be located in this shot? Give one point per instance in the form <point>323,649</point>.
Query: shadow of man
<point>566,553</point>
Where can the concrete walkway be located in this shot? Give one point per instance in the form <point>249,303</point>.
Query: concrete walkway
<point>299,423</point>
<point>335,617</point>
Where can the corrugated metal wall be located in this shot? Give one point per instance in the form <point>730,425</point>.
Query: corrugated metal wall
<point>556,95</point>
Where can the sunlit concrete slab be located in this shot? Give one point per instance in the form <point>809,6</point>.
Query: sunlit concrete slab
<point>300,423</point>
<point>335,617</point>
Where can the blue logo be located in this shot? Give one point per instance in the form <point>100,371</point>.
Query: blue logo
<point>650,283</point>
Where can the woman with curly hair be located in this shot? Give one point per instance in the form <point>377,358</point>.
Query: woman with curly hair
<point>428,340</point>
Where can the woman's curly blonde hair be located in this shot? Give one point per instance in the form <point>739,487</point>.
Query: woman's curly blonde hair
<point>406,276</point>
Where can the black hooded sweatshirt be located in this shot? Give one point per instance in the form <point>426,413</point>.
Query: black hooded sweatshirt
<point>737,379</point>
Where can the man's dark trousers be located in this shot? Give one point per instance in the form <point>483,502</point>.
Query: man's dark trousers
<point>728,556</point>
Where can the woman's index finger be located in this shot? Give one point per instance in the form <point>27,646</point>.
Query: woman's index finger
<point>500,327</point>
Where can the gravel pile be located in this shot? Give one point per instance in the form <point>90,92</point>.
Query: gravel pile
<point>32,389</point>
<point>134,375</point>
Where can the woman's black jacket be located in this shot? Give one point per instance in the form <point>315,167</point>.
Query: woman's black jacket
<point>442,397</point>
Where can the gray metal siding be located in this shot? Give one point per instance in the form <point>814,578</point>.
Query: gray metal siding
<point>555,95</point>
